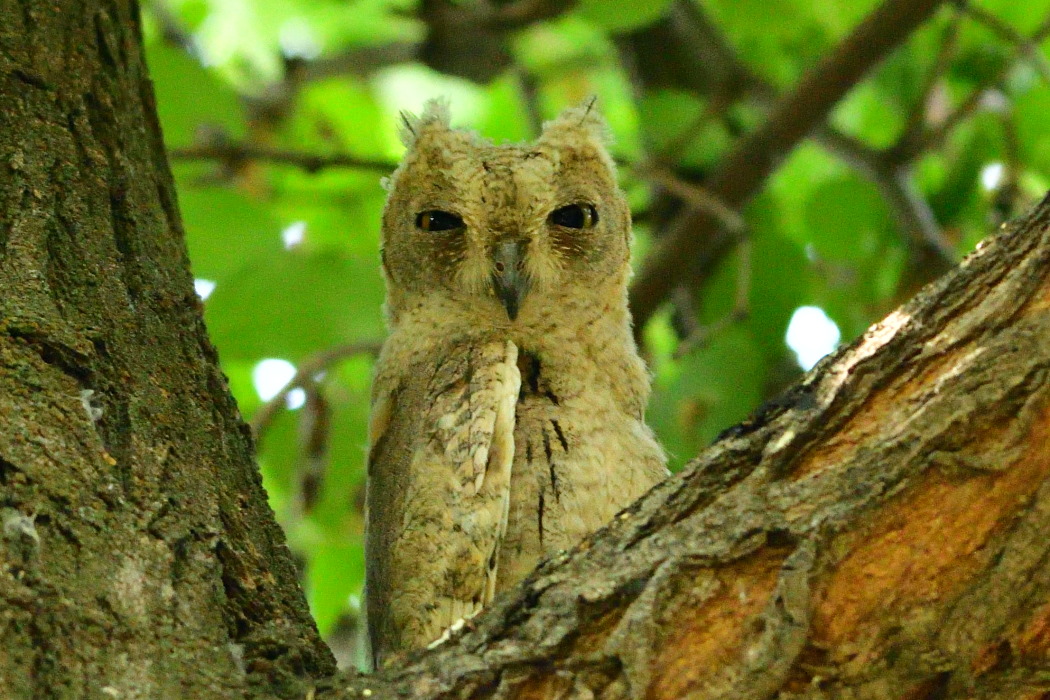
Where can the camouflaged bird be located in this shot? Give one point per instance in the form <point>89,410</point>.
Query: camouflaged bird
<point>508,402</point>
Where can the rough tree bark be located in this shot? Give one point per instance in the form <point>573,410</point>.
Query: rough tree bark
<point>138,557</point>
<point>883,530</point>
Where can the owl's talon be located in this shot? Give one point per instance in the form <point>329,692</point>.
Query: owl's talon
<point>447,634</point>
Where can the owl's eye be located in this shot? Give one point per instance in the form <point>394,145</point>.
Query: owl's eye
<point>575,216</point>
<point>437,220</point>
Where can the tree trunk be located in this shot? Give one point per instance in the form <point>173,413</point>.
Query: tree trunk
<point>883,530</point>
<point>138,558</point>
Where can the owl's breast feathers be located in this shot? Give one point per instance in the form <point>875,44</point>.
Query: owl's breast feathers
<point>582,452</point>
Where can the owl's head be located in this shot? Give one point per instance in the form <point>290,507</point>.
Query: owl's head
<point>504,233</point>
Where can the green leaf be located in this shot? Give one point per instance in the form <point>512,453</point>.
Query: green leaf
<point>292,304</point>
<point>780,278</point>
<point>868,115</point>
<point>548,49</point>
<point>710,390</point>
<point>1033,138</point>
<point>847,219</point>
<point>335,572</point>
<point>505,115</point>
<point>972,146</point>
<point>225,229</point>
<point>190,98</point>
<point>622,15</point>
<point>342,115</point>
<point>672,127</point>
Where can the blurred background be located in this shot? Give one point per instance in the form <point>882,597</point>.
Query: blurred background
<point>795,225</point>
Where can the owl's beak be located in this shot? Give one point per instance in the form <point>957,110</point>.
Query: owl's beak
<point>508,278</point>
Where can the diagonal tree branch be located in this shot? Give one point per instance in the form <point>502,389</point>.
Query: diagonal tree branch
<point>742,174</point>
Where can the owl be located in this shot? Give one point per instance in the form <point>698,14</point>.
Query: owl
<point>508,401</point>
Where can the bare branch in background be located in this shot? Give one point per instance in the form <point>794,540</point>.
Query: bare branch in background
<point>930,250</point>
<point>530,94</point>
<point>701,335</point>
<point>695,196</point>
<point>521,13</point>
<point>1027,47</point>
<point>917,117</point>
<point>305,372</point>
<point>911,146</point>
<point>360,61</point>
<point>234,155</point>
<point>686,50</point>
<point>744,171</point>
<point>471,39</point>
<point>172,29</point>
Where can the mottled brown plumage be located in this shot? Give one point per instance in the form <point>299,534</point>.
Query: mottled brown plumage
<point>508,403</point>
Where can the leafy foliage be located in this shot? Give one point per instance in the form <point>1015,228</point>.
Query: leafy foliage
<point>291,244</point>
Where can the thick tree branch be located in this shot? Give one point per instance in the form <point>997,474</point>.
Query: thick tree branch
<point>882,530</point>
<point>706,63</point>
<point>742,173</point>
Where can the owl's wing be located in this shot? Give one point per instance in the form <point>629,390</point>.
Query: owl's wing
<point>439,492</point>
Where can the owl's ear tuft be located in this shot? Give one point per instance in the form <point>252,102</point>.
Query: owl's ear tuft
<point>579,125</point>
<point>580,130</point>
<point>434,119</point>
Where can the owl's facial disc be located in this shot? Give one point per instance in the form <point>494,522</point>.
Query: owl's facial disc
<point>509,280</point>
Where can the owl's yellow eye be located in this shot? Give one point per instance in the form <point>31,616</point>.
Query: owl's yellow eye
<point>437,220</point>
<point>575,216</point>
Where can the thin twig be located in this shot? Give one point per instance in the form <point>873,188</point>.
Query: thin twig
<point>684,319</point>
<point>530,96</point>
<point>235,154</point>
<point>918,115</point>
<point>305,373</point>
<point>693,195</point>
<point>672,150</point>
<point>913,214</point>
<point>172,29</point>
<point>1029,47</point>
<point>908,150</point>
<point>701,335</point>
